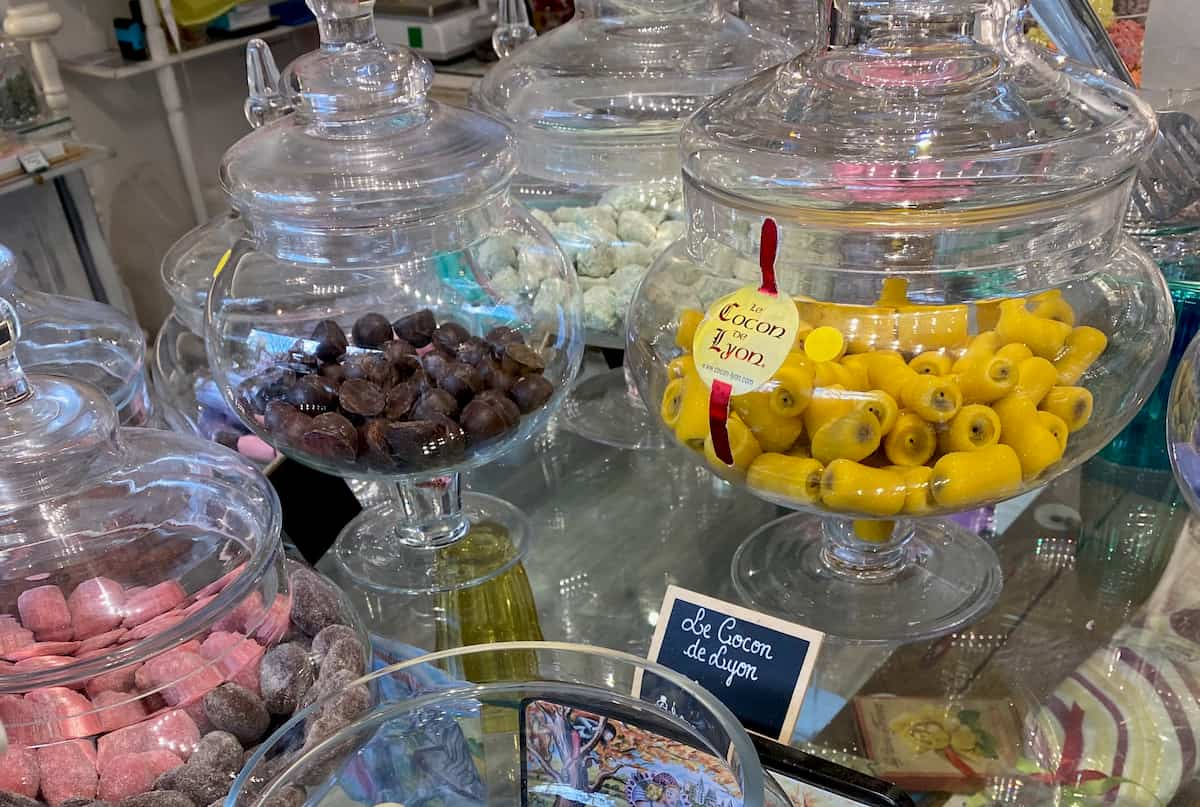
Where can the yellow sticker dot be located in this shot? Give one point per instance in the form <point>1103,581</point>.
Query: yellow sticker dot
<point>825,344</point>
<point>221,263</point>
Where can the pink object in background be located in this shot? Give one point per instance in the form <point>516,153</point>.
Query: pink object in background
<point>97,606</point>
<point>174,731</point>
<point>254,447</point>
<point>44,611</point>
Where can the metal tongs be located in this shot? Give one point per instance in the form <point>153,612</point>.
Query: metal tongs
<point>1169,179</point>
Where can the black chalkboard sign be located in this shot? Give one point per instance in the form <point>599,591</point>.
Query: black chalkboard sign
<point>757,665</point>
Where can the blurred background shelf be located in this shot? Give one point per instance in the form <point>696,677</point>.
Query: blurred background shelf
<point>108,64</point>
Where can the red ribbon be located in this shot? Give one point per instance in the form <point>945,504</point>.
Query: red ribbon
<point>718,396</point>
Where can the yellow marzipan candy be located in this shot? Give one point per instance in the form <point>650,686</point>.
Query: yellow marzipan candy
<point>967,478</point>
<point>794,478</point>
<point>856,488</point>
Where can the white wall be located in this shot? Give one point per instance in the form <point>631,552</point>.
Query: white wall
<point>140,195</point>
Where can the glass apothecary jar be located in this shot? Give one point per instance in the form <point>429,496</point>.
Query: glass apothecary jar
<point>183,383</point>
<point>495,711</point>
<point>596,106</point>
<point>20,98</point>
<point>82,339</point>
<point>152,630</point>
<point>353,328</point>
<point>954,315</point>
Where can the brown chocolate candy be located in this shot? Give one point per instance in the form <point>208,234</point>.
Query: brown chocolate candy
<point>448,336</point>
<point>416,328</point>
<point>372,331</point>
<point>358,396</point>
<point>501,336</point>
<point>530,392</point>
<point>462,381</point>
<point>435,365</point>
<point>483,421</point>
<point>373,441</point>
<point>510,411</point>
<point>434,402</point>
<point>472,351</point>
<point>520,359</point>
<point>331,436</point>
<point>312,395</point>
<point>336,373</point>
<point>400,400</point>
<point>373,367</point>
<point>331,340</point>
<point>494,376</point>
<point>413,443</point>
<point>286,422</point>
<point>403,357</point>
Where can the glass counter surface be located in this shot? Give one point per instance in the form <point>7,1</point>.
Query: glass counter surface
<point>614,528</point>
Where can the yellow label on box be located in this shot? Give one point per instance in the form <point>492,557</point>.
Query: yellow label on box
<point>744,338</point>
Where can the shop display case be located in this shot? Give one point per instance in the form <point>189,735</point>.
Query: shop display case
<point>354,327</point>
<point>953,315</point>
<point>81,339</point>
<point>153,629</point>
<point>596,106</point>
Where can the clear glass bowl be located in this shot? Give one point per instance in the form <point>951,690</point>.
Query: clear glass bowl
<point>82,339</point>
<point>596,106</point>
<point>479,710</point>
<point>153,629</point>
<point>957,337</point>
<point>357,328</point>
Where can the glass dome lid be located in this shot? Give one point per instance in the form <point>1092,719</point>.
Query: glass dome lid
<point>624,71</point>
<point>189,265</point>
<point>931,127</point>
<point>364,148</point>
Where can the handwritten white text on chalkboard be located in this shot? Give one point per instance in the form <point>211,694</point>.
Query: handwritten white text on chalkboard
<point>728,639</point>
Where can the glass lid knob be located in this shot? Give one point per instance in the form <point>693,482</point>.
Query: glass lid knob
<point>265,103</point>
<point>14,387</point>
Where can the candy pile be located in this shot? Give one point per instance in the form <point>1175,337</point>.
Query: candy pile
<point>408,395</point>
<point>171,731</point>
<point>895,409</point>
<point>611,245</point>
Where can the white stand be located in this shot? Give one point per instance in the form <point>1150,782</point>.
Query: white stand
<point>36,23</point>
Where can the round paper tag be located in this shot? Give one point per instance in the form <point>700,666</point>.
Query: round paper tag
<point>744,338</point>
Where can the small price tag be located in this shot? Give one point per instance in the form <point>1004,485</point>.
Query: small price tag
<point>757,665</point>
<point>33,161</point>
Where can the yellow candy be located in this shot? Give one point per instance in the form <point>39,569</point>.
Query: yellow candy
<point>681,366</point>
<point>933,398</point>
<point>882,406</point>
<point>1035,377</point>
<point>965,478</point>
<point>863,327</point>
<point>852,487</point>
<point>982,346</point>
<point>801,450</point>
<point>931,363</point>
<point>685,410</point>
<point>790,390</point>
<point>875,531</point>
<point>829,373</point>
<point>986,380</point>
<point>825,344</point>
<point>828,403</point>
<point>1084,346</point>
<point>860,376</point>
<point>1045,337</point>
<point>887,371</point>
<point>773,432</point>
<point>894,292</point>
<point>917,498</point>
<point>742,446</point>
<point>974,427</point>
<point>1072,404</point>
<point>853,436</point>
<point>1051,305</point>
<point>1037,449</point>
<point>1055,425</point>
<point>1016,353</point>
<point>930,327</point>
<point>793,478</point>
<point>987,314</point>
<point>689,321</point>
<point>911,441</point>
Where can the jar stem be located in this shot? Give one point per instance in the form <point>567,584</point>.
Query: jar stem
<point>866,549</point>
<point>432,512</point>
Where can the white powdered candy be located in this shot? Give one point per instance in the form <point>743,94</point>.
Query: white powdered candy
<point>634,226</point>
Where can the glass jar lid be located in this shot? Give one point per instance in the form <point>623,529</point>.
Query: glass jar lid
<point>365,148</point>
<point>54,431</point>
<point>606,94</point>
<point>932,134</point>
<point>189,265</point>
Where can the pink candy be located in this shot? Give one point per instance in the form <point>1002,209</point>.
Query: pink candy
<point>159,624</point>
<point>100,641</point>
<point>42,663</point>
<point>237,657</point>
<point>172,731</point>
<point>13,636</point>
<point>255,448</point>
<point>156,600</point>
<point>218,585</point>
<point>274,623</point>
<point>129,774</point>
<point>120,680</point>
<point>19,719</point>
<point>64,713</point>
<point>116,710</point>
<point>183,675</point>
<point>19,771</point>
<point>42,649</point>
<point>68,771</point>
<point>44,611</point>
<point>97,606</point>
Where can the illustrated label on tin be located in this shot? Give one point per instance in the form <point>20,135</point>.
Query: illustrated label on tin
<point>745,338</point>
